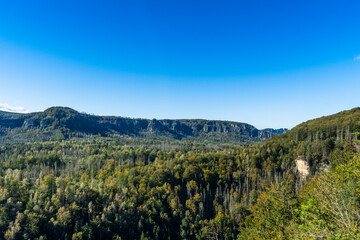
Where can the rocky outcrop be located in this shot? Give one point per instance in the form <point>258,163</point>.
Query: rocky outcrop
<point>302,167</point>
<point>270,132</point>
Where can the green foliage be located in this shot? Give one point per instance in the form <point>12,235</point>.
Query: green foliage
<point>126,188</point>
<point>273,214</point>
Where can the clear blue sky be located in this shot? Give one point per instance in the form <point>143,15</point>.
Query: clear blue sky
<point>267,63</point>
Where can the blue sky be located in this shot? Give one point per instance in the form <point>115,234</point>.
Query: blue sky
<point>267,63</point>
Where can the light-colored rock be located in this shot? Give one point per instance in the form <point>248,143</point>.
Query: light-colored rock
<point>302,167</point>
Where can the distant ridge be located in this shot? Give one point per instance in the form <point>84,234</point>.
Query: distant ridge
<point>57,123</point>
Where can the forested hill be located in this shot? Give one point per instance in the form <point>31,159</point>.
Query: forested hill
<point>59,123</point>
<point>317,141</point>
<point>298,185</point>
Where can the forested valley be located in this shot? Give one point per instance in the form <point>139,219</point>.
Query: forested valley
<point>97,187</point>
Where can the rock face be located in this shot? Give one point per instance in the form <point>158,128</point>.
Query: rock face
<point>302,166</point>
<point>270,132</point>
<point>71,123</point>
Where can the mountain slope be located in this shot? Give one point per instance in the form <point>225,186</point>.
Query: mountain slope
<point>341,125</point>
<point>319,143</point>
<point>63,123</point>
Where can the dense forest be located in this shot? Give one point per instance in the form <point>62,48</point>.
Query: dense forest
<point>100,187</point>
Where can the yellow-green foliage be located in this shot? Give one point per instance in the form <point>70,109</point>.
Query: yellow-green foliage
<point>103,188</point>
